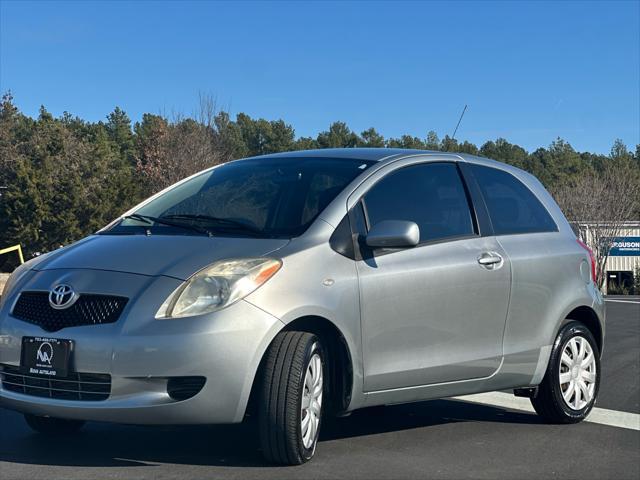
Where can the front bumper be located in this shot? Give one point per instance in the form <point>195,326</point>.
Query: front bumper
<point>141,353</point>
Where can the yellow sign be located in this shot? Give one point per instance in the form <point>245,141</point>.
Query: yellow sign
<point>15,248</point>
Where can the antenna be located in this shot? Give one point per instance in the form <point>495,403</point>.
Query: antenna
<point>461,115</point>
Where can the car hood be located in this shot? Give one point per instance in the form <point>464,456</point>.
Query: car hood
<point>169,255</point>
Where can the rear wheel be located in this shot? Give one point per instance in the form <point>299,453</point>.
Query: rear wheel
<point>53,426</point>
<point>291,403</point>
<point>570,386</point>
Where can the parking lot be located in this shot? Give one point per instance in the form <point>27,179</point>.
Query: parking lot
<point>435,439</point>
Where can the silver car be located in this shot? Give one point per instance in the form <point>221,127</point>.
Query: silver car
<point>295,286</point>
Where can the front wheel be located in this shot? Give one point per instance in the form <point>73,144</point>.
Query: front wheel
<point>53,426</point>
<point>290,408</point>
<point>570,385</point>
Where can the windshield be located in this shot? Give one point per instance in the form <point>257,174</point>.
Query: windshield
<point>268,197</point>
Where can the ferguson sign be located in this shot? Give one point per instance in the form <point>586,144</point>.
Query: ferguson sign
<point>625,247</point>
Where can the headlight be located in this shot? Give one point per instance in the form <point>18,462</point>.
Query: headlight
<point>218,286</point>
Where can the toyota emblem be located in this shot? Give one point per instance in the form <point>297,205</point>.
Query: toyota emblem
<point>62,296</point>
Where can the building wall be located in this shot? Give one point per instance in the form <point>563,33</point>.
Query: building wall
<point>616,263</point>
<point>623,263</point>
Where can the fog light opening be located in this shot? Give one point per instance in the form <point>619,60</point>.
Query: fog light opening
<point>183,388</point>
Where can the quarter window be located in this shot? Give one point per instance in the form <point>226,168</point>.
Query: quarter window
<point>431,195</point>
<point>513,208</point>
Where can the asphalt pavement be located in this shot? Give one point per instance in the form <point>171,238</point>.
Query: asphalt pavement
<point>435,439</point>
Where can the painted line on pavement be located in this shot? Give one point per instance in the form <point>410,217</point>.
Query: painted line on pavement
<point>602,416</point>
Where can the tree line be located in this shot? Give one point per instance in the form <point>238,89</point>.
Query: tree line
<point>62,178</point>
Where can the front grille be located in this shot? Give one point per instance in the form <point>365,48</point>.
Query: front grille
<point>33,307</point>
<point>75,386</point>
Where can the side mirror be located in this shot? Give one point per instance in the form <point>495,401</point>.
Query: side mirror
<point>393,234</point>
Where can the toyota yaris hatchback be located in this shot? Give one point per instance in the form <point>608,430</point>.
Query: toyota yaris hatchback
<point>296,286</point>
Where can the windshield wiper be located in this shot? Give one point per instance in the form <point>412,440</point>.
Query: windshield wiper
<point>161,220</point>
<point>217,221</point>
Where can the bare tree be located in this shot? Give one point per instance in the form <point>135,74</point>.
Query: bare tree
<point>207,110</point>
<point>599,204</point>
<point>181,146</point>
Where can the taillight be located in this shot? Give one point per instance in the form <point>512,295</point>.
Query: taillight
<point>592,258</point>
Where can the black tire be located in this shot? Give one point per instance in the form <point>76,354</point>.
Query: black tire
<point>549,402</point>
<point>279,406</point>
<point>53,426</point>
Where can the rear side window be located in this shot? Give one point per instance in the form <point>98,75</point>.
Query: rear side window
<point>431,195</point>
<point>513,208</point>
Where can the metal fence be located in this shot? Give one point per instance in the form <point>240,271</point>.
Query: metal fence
<point>15,248</point>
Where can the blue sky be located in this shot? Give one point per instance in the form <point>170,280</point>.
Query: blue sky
<point>530,72</point>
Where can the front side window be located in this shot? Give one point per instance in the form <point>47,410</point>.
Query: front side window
<point>431,195</point>
<point>270,197</point>
<point>513,208</point>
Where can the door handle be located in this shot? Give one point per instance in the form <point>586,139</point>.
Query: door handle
<point>490,260</point>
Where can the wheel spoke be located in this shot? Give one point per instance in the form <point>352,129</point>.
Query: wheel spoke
<point>313,427</point>
<point>306,438</point>
<point>576,401</point>
<point>574,348</point>
<point>306,401</point>
<point>587,361</point>
<point>585,392</point>
<point>569,391</point>
<point>566,359</point>
<point>305,424</point>
<point>317,389</point>
<point>317,371</point>
<point>565,377</point>
<point>589,376</point>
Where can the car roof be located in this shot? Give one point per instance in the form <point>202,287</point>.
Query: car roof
<point>371,154</point>
<point>391,154</point>
<point>378,155</point>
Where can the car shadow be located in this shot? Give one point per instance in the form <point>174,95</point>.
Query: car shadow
<point>104,445</point>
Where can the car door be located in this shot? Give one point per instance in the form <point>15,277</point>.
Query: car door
<point>436,312</point>
<point>543,261</point>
